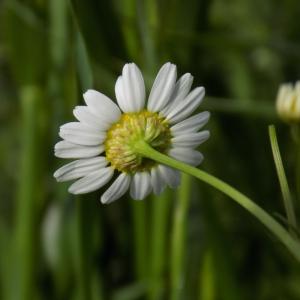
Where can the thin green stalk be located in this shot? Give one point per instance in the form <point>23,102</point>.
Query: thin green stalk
<point>140,239</point>
<point>83,63</point>
<point>224,275</point>
<point>178,237</point>
<point>298,169</point>
<point>207,284</point>
<point>139,210</point>
<point>24,263</point>
<point>160,216</point>
<point>146,12</point>
<point>83,254</point>
<point>83,210</point>
<point>277,229</point>
<point>296,137</point>
<point>286,194</point>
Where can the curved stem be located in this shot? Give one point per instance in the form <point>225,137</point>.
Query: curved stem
<point>285,190</point>
<point>278,230</point>
<point>296,138</point>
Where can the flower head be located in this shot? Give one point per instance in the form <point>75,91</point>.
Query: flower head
<point>288,102</point>
<point>103,138</point>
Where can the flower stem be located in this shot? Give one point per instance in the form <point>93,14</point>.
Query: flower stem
<point>285,190</point>
<point>83,257</point>
<point>23,265</point>
<point>178,238</point>
<point>296,138</point>
<point>277,229</point>
<point>140,239</point>
<point>158,241</point>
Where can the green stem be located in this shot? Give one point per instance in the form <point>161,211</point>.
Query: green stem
<point>28,199</point>
<point>146,12</point>
<point>140,239</point>
<point>296,138</point>
<point>83,257</point>
<point>207,280</point>
<point>178,237</point>
<point>279,231</point>
<point>159,224</point>
<point>298,171</point>
<point>286,194</point>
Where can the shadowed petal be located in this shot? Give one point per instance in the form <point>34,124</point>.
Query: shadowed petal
<point>117,189</point>
<point>163,87</point>
<point>80,168</point>
<point>91,182</point>
<point>130,89</point>
<point>140,186</point>
<point>64,149</point>
<point>187,155</point>
<point>102,106</point>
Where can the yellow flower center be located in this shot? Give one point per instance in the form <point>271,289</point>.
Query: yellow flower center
<point>133,127</point>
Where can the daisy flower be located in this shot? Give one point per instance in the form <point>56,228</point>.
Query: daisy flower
<point>288,102</point>
<point>102,139</point>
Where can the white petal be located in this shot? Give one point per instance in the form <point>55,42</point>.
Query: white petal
<point>101,106</point>
<point>157,181</point>
<point>81,134</point>
<point>64,149</point>
<point>163,87</point>
<point>192,124</point>
<point>91,182</point>
<point>140,186</point>
<point>285,90</point>
<point>171,176</point>
<point>296,110</point>
<point>130,89</point>
<point>187,155</point>
<point>187,106</point>
<point>80,168</point>
<point>83,115</point>
<point>117,189</point>
<point>193,139</point>
<point>120,94</point>
<point>182,88</point>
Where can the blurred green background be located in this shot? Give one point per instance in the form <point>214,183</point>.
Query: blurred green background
<point>56,246</point>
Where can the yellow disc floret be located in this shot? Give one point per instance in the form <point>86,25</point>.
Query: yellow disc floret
<point>132,127</point>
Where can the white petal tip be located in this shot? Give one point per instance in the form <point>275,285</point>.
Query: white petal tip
<point>89,92</point>
<point>72,191</point>
<point>104,200</point>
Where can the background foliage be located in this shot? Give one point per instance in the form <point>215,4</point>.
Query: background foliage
<point>53,246</point>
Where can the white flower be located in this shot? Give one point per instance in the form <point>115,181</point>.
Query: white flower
<point>288,102</point>
<point>164,122</point>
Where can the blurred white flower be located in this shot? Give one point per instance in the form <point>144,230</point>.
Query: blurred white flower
<point>288,102</point>
<point>164,122</point>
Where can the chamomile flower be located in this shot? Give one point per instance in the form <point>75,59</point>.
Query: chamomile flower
<point>102,140</point>
<point>288,102</point>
